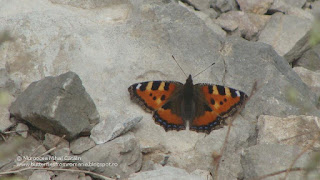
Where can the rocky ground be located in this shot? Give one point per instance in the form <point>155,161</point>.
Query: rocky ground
<point>66,66</point>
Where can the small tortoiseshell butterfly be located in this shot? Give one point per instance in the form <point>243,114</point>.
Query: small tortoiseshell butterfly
<point>205,106</point>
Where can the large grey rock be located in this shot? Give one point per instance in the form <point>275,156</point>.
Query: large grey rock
<point>292,130</point>
<point>248,24</point>
<point>279,92</point>
<point>168,173</point>
<point>112,47</point>
<point>310,59</point>
<point>123,155</point>
<point>312,79</point>
<point>58,105</point>
<point>288,35</point>
<point>254,6</point>
<point>264,159</point>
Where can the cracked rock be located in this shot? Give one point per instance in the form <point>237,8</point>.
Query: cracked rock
<point>57,105</point>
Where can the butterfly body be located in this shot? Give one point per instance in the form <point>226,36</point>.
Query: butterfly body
<point>174,103</point>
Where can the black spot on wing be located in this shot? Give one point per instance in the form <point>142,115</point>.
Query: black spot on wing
<point>143,86</point>
<point>210,89</point>
<point>163,97</point>
<point>166,86</point>
<point>155,85</point>
<point>221,90</point>
<point>207,108</point>
<point>154,98</point>
<point>167,105</point>
<point>233,92</point>
<point>212,101</point>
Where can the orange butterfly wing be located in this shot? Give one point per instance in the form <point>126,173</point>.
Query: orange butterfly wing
<point>219,103</point>
<point>157,96</point>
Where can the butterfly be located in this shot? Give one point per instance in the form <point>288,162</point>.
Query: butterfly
<point>205,106</point>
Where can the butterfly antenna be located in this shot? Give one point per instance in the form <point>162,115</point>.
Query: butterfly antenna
<point>203,70</point>
<point>179,66</point>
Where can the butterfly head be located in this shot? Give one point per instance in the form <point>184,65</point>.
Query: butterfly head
<point>188,87</point>
<point>189,80</point>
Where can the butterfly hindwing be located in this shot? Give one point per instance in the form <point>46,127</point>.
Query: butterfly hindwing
<point>169,115</point>
<point>217,103</point>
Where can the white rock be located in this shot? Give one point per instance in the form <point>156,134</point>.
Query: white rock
<point>5,122</point>
<point>254,6</point>
<point>288,35</point>
<point>293,130</point>
<point>22,129</point>
<point>81,144</point>
<point>310,78</point>
<point>101,133</point>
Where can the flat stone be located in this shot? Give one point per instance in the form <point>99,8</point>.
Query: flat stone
<point>22,129</point>
<point>293,130</point>
<point>200,4</point>
<point>58,105</point>
<point>248,24</point>
<point>208,17</point>
<point>254,6</point>
<point>288,35</point>
<point>122,153</point>
<point>310,78</point>
<point>202,173</point>
<point>40,175</point>
<point>54,38</point>
<point>32,146</point>
<point>81,144</point>
<point>67,175</point>
<point>5,122</point>
<point>223,5</point>
<point>278,4</point>
<point>264,159</point>
<point>62,145</point>
<point>100,133</point>
<point>310,59</point>
<point>167,172</point>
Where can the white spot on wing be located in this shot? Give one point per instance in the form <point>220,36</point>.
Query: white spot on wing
<point>238,93</point>
<point>138,86</point>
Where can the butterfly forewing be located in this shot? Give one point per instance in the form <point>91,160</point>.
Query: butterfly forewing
<point>153,94</point>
